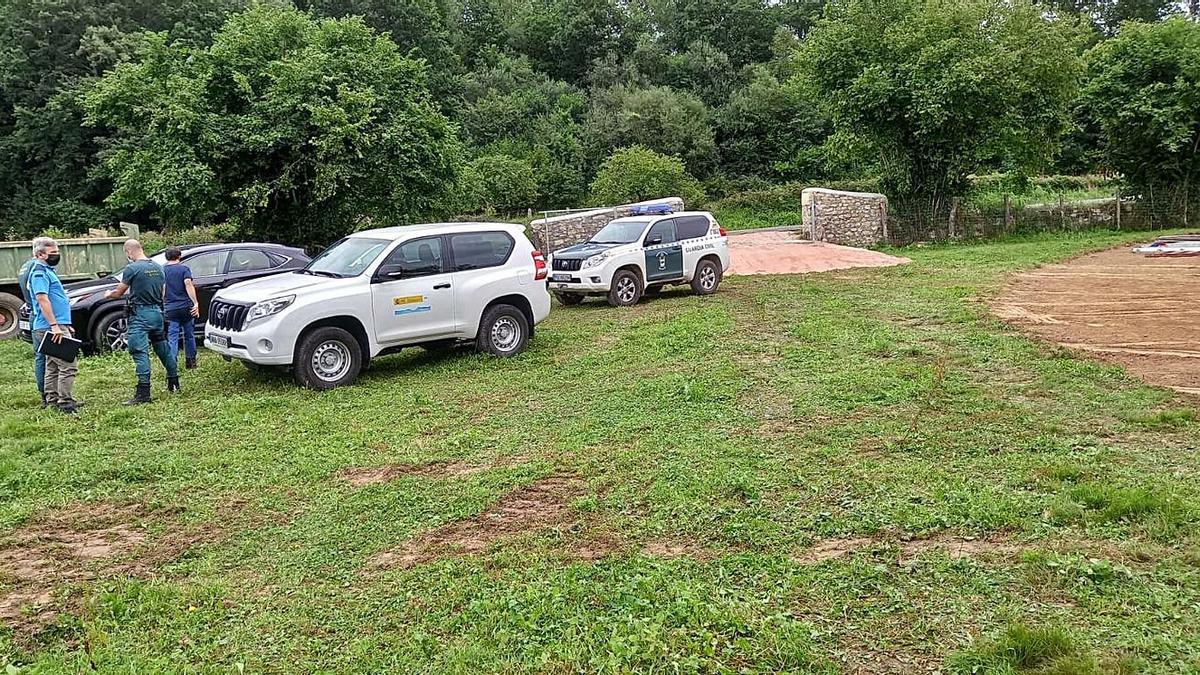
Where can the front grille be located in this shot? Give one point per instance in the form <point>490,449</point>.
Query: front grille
<point>227,315</point>
<point>567,264</point>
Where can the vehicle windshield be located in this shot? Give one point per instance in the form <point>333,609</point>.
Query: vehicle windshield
<point>160,258</point>
<point>620,232</point>
<point>349,257</point>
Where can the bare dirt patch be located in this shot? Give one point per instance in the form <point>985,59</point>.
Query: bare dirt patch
<point>786,253</point>
<point>76,544</point>
<point>542,505</point>
<point>909,550</point>
<point>1137,312</point>
<point>362,476</point>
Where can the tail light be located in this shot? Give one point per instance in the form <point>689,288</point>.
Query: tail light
<point>539,266</point>
<point>721,229</point>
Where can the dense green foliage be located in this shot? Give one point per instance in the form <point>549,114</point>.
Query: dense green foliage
<point>917,93</point>
<point>288,128</point>
<point>637,174</point>
<point>1144,93</point>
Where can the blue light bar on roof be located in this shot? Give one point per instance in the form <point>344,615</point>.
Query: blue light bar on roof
<point>652,210</point>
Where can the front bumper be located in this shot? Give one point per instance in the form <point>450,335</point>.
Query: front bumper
<point>597,280</point>
<point>257,344</point>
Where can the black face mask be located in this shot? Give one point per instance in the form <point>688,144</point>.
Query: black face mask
<point>53,259</point>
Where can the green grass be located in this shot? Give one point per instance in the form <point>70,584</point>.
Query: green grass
<point>742,427</point>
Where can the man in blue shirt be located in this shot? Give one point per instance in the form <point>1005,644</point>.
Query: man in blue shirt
<point>182,307</point>
<point>52,315</point>
<point>39,360</point>
<point>143,279</point>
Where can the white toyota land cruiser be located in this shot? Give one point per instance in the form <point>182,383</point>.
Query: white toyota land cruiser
<point>375,292</point>
<point>638,254</point>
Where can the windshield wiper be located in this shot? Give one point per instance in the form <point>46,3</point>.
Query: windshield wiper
<point>320,273</point>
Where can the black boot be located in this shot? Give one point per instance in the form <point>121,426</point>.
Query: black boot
<point>142,395</point>
<point>45,401</point>
<point>173,384</point>
<point>191,364</point>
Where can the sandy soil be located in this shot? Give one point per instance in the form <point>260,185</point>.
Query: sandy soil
<point>1141,313</point>
<point>786,253</point>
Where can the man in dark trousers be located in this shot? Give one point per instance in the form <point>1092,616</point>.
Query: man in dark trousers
<point>144,280</point>
<point>182,307</point>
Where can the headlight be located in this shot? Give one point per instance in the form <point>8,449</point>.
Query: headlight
<point>78,299</point>
<point>268,308</point>
<point>596,260</point>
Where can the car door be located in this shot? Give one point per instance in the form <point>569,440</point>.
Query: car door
<point>692,232</point>
<point>412,294</point>
<point>664,254</point>
<point>208,274</point>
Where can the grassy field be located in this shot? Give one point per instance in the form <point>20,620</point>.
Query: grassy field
<point>857,471</point>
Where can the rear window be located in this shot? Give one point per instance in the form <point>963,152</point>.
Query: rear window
<point>692,227</point>
<point>478,250</point>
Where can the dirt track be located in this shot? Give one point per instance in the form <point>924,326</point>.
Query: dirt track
<point>1141,313</point>
<point>774,252</point>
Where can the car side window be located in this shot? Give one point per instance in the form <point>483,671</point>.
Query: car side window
<point>477,250</point>
<point>664,229</point>
<point>207,264</point>
<point>416,258</point>
<point>248,260</point>
<point>692,227</point>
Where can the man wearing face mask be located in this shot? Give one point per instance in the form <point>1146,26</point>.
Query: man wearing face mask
<point>51,313</point>
<point>39,359</point>
<point>144,280</point>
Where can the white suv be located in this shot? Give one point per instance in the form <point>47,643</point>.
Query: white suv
<point>375,292</point>
<point>638,254</point>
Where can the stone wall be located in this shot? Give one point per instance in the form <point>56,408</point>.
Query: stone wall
<point>846,218</point>
<point>552,234</point>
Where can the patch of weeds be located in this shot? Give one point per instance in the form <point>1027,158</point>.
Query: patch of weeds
<point>1064,473</point>
<point>1165,419</point>
<point>1063,511</point>
<point>1018,648</point>
<point>1126,504</point>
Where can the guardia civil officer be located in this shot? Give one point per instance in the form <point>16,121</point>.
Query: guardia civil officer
<point>143,279</point>
<point>40,245</point>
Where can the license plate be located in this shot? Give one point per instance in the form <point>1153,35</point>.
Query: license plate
<point>22,325</point>
<point>561,277</point>
<point>219,340</point>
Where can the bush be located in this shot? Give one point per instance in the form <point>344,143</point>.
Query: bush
<point>500,183</point>
<point>637,174</point>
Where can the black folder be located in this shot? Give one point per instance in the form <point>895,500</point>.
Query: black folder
<point>67,349</point>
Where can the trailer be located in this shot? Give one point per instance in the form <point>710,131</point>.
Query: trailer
<point>85,258</point>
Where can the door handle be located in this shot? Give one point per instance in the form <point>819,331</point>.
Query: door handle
<point>439,287</point>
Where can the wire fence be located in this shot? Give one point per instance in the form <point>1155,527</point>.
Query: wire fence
<point>910,222</point>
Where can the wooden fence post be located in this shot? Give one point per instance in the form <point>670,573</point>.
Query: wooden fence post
<point>1008,220</point>
<point>1062,212</point>
<point>954,202</point>
<point>1118,198</point>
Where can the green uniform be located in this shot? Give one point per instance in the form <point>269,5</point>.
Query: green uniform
<point>145,280</point>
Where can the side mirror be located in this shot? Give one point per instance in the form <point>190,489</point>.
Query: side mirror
<point>389,273</point>
<point>653,241</point>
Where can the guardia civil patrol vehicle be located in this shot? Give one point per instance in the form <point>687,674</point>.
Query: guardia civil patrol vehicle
<point>641,254</point>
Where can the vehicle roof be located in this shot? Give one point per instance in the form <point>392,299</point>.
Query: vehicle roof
<point>192,249</point>
<point>658,217</point>
<point>404,231</point>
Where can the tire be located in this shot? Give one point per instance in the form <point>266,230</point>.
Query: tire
<point>10,307</point>
<point>569,299</point>
<point>110,333</point>
<point>707,277</point>
<point>626,289</point>
<point>503,331</point>
<point>327,358</point>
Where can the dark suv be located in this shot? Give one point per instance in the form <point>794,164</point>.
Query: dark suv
<point>101,323</point>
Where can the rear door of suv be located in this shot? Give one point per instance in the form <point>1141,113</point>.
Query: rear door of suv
<point>691,232</point>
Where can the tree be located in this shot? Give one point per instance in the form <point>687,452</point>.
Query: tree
<point>936,90</point>
<point>501,184</point>
<point>637,174</point>
<point>661,119</point>
<point>564,37</point>
<point>290,129</point>
<point>1108,15</point>
<point>1143,91</point>
<point>51,51</point>
<point>773,129</point>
